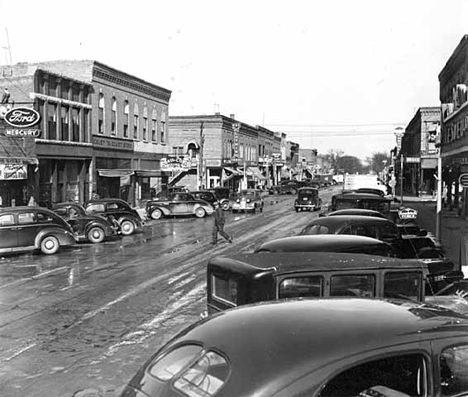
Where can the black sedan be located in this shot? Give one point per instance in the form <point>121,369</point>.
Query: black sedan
<point>177,204</point>
<point>86,227</point>
<point>117,210</point>
<point>316,348</point>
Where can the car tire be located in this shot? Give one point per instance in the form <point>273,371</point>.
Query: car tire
<point>50,245</point>
<point>127,227</point>
<point>297,209</point>
<point>293,191</point>
<point>156,214</point>
<point>96,235</point>
<point>225,206</point>
<point>200,212</point>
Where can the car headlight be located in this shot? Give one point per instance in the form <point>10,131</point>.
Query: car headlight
<point>248,200</point>
<point>238,201</point>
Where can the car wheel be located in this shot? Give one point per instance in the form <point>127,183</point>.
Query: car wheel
<point>297,209</point>
<point>49,245</point>
<point>261,208</point>
<point>293,191</point>
<point>96,235</point>
<point>127,227</point>
<point>200,212</point>
<point>157,214</point>
<point>225,205</point>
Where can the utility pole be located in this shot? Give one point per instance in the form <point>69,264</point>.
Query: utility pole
<point>200,158</point>
<point>438,231</point>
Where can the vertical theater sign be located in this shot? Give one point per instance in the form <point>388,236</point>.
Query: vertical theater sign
<point>18,159</point>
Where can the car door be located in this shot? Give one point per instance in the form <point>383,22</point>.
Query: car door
<point>8,233</point>
<point>28,228</point>
<point>179,204</point>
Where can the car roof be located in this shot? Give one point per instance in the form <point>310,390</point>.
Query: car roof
<point>321,242</point>
<point>357,211</point>
<point>23,208</point>
<point>360,196</point>
<point>258,264</point>
<point>107,200</point>
<point>291,338</point>
<point>347,219</point>
<point>305,188</point>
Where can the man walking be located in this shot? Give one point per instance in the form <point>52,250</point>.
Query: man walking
<point>218,226</point>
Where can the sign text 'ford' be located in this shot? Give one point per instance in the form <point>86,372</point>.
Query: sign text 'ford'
<point>22,117</point>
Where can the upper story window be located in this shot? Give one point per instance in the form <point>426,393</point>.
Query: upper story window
<point>52,87</point>
<point>125,119</point>
<point>101,105</point>
<point>145,123</point>
<point>154,126</point>
<point>135,121</point>
<point>65,90</point>
<point>64,122</point>
<point>114,116</point>
<point>52,120</point>
<point>76,92</point>
<point>75,130</point>
<point>163,128</point>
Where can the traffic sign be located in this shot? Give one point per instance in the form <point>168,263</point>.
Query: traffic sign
<point>463,180</point>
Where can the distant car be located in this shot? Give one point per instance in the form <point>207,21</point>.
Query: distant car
<point>119,211</point>
<point>28,228</point>
<point>307,199</point>
<point>178,204</point>
<point>369,190</point>
<point>223,195</point>
<point>411,229</point>
<point>248,200</point>
<point>356,211</point>
<point>287,187</point>
<point>165,193</point>
<point>328,243</point>
<point>315,348</point>
<point>361,200</point>
<point>86,227</point>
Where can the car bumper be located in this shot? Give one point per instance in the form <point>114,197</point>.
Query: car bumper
<point>242,207</point>
<point>305,206</point>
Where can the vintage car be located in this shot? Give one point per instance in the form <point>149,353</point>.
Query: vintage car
<point>329,243</point>
<point>307,199</point>
<point>205,195</point>
<point>248,200</point>
<point>248,278</point>
<point>119,211</point>
<point>223,194</point>
<point>164,193</point>
<point>421,251</point>
<point>355,211</point>
<point>178,204</point>
<point>28,228</point>
<point>86,227</point>
<point>287,187</point>
<point>315,348</point>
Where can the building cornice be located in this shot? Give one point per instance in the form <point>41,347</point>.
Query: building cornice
<point>48,98</point>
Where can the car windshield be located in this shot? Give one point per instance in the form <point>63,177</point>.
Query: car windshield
<point>376,205</point>
<point>308,192</point>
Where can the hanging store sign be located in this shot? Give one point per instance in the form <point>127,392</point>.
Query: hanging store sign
<point>13,171</point>
<point>22,117</point>
<point>26,132</point>
<point>177,163</point>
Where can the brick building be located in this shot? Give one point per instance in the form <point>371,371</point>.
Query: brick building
<point>216,150</point>
<point>453,81</point>
<point>60,149</point>
<point>419,151</point>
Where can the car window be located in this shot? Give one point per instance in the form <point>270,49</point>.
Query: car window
<point>404,374</point>
<point>61,211</point>
<point>454,371</point>
<point>315,229</point>
<point>26,217</point>
<point>224,288</point>
<point>95,208</point>
<point>359,230</point>
<point>7,220</point>
<point>112,206</point>
<point>403,285</point>
<point>296,287</point>
<point>360,285</point>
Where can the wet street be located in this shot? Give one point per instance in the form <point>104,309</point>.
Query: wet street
<point>81,322</point>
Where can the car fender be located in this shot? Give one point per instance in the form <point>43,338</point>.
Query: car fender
<point>163,207</point>
<point>198,205</point>
<point>103,225</point>
<point>133,218</point>
<point>64,236</point>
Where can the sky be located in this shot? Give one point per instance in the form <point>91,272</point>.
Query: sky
<point>335,75</point>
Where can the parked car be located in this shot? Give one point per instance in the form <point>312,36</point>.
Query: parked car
<point>421,251</point>
<point>205,195</point>
<point>178,204</point>
<point>165,193</point>
<point>315,348</point>
<point>117,210</point>
<point>307,199</point>
<point>28,228</point>
<point>355,211</point>
<point>248,278</point>
<point>223,194</point>
<point>287,187</point>
<point>329,243</point>
<point>86,227</point>
<point>248,200</point>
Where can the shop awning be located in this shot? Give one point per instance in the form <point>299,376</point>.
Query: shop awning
<point>229,173</point>
<point>309,171</point>
<point>232,171</point>
<point>149,173</point>
<point>115,173</point>
<point>256,173</point>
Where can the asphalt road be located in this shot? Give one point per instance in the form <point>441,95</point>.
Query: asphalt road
<point>81,322</point>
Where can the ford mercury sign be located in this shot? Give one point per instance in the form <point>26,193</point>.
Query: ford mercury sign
<point>22,117</point>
